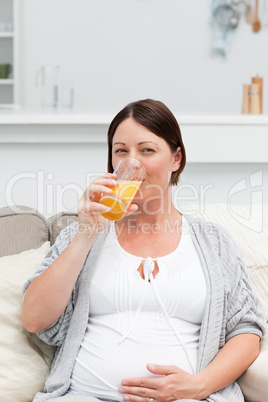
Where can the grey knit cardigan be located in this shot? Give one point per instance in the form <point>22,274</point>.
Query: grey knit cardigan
<point>231,306</point>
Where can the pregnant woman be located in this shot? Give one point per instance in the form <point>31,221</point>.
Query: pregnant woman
<point>154,307</point>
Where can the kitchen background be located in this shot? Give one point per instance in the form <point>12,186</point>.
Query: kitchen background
<point>112,52</point>
<point>129,49</point>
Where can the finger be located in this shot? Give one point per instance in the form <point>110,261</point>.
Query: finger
<point>110,182</point>
<point>132,209</point>
<point>137,391</point>
<point>93,207</point>
<point>136,398</point>
<point>97,189</point>
<point>143,382</point>
<point>162,369</point>
<point>104,183</point>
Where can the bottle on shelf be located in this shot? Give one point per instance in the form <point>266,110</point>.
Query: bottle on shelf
<point>246,99</point>
<point>255,106</point>
<point>258,80</point>
<point>252,96</point>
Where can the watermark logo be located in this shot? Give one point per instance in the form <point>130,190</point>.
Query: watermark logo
<point>252,187</point>
<point>51,198</point>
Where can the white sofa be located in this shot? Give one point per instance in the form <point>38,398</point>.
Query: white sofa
<point>26,235</point>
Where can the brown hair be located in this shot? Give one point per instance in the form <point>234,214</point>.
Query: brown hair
<point>157,118</point>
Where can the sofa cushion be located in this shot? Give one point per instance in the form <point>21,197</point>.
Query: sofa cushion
<point>248,225</point>
<point>25,359</point>
<point>58,222</point>
<point>21,228</point>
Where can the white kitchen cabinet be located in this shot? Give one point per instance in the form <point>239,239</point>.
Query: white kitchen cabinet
<point>8,50</point>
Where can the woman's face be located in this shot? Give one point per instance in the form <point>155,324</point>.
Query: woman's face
<point>133,140</point>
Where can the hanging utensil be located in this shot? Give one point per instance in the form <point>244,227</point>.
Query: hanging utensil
<point>249,13</point>
<point>242,6</point>
<point>227,15</point>
<point>234,20</point>
<point>256,26</point>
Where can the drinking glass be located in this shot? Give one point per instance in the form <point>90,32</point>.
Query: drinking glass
<point>130,174</point>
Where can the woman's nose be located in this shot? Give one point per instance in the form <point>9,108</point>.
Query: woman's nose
<point>133,154</point>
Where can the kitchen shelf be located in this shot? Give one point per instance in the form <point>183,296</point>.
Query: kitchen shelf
<point>6,34</point>
<point>6,81</point>
<point>207,138</point>
<point>83,116</point>
<point>9,51</point>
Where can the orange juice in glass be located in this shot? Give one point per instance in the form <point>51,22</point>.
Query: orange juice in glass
<point>130,174</point>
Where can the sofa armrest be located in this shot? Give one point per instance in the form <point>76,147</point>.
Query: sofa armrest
<point>58,222</point>
<point>21,228</point>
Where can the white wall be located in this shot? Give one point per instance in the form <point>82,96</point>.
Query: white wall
<point>123,50</point>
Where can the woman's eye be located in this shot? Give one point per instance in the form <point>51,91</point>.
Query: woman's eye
<point>120,151</point>
<point>147,150</point>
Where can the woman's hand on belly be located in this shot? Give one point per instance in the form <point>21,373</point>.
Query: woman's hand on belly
<point>173,384</point>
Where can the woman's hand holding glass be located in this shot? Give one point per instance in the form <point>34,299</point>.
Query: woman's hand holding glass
<point>89,210</point>
<point>91,221</point>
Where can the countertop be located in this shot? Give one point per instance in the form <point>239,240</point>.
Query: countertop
<point>86,117</point>
<point>208,138</point>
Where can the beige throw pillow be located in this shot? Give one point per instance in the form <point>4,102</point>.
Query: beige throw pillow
<point>24,359</point>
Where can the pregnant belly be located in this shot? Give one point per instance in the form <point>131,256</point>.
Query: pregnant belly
<point>103,360</point>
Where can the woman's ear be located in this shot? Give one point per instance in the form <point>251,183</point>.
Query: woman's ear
<point>177,160</point>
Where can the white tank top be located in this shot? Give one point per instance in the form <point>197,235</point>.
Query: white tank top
<point>134,321</point>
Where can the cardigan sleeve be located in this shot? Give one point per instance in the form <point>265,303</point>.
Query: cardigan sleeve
<point>55,334</point>
<point>244,312</point>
